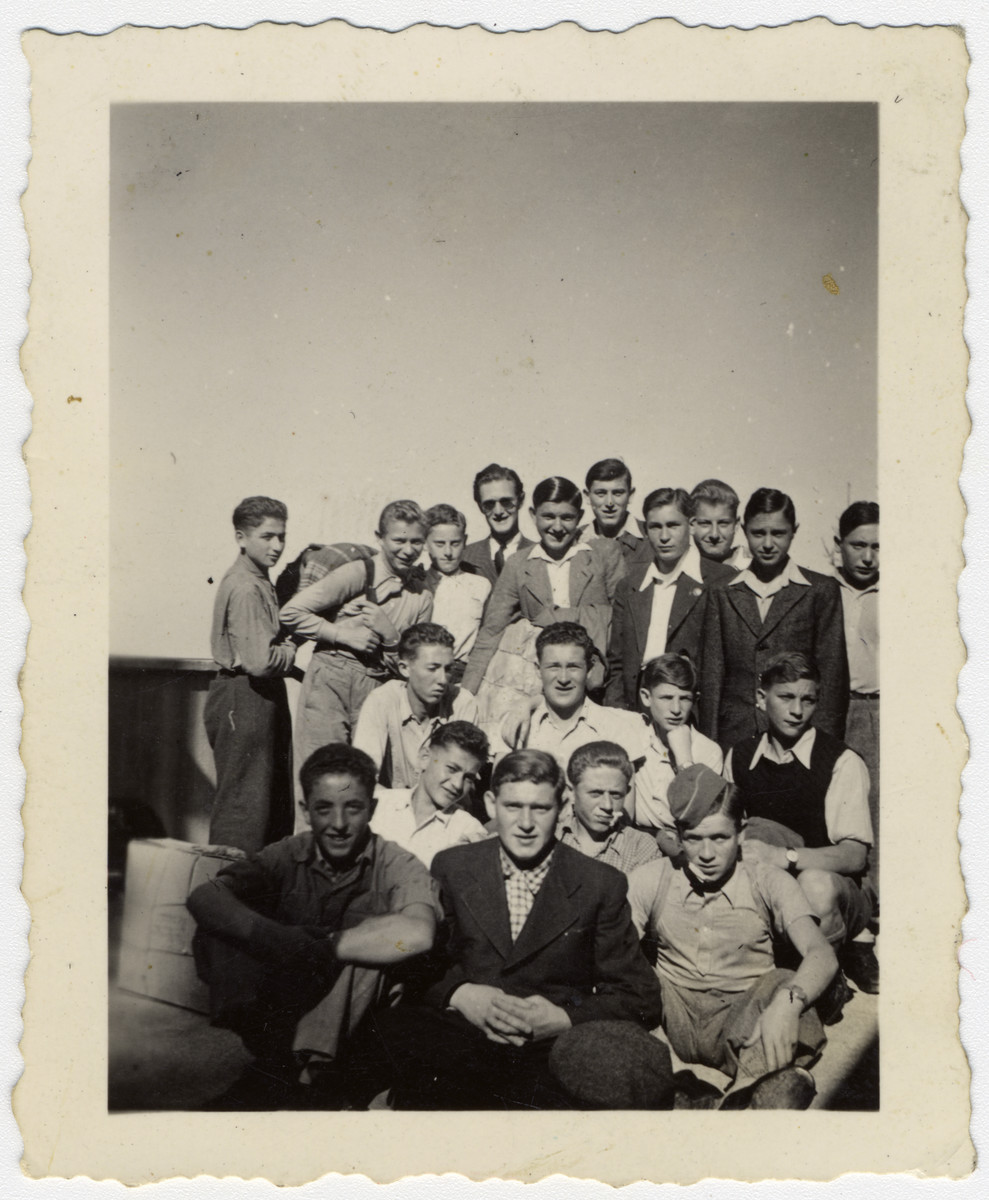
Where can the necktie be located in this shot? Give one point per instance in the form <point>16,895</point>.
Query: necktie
<point>499,560</point>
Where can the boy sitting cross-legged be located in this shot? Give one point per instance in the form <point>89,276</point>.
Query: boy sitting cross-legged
<point>594,821</point>
<point>398,718</point>
<point>429,817</point>
<point>712,919</point>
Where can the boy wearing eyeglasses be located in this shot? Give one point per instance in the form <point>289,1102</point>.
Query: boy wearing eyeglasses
<point>499,494</point>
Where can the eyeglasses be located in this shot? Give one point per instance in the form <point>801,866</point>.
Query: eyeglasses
<point>488,506</point>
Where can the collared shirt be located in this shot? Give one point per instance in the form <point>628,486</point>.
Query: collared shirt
<point>846,803</point>
<point>389,731</point>
<point>764,592</point>
<point>559,570</point>
<point>860,608</point>
<point>664,590</point>
<point>720,939</point>
<point>340,594</point>
<point>624,847</point>
<point>652,781</point>
<point>244,633</point>
<point>509,548</point>
<point>290,882</point>
<point>627,540</point>
<point>395,821</point>
<point>521,888</point>
<point>592,723</point>
<point>458,604</point>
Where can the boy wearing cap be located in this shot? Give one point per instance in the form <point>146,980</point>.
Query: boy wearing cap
<point>726,1005</point>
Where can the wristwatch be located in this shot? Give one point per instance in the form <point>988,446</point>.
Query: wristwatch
<point>791,861</point>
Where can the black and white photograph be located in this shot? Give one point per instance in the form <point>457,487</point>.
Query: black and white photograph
<point>548,432</point>
<point>484,578</point>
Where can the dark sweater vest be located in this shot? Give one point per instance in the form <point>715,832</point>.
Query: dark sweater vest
<point>788,793</point>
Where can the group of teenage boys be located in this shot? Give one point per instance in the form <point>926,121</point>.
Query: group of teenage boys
<point>573,803</point>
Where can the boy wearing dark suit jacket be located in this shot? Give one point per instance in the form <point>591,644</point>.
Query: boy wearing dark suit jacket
<point>499,494</point>
<point>539,947</point>
<point>772,606</point>
<point>659,607</point>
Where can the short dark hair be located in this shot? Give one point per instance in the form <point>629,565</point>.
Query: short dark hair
<point>676,669</point>
<point>557,490</point>
<point>401,510</point>
<point>493,473</point>
<point>529,766</point>
<point>444,514</point>
<point>337,758</point>
<point>599,754</point>
<point>465,735</point>
<point>606,470</point>
<point>769,500</point>
<point>426,633</point>
<point>660,497</point>
<point>788,666</point>
<point>713,491</point>
<point>255,510</point>
<point>565,633</point>
<point>862,512</point>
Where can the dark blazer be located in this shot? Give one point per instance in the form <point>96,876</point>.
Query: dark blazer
<point>736,645</point>
<point>523,590</point>
<point>578,947</point>
<point>478,554</point>
<point>630,619</point>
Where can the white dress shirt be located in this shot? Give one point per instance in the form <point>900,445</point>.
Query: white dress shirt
<point>395,821</point>
<point>860,608</point>
<point>559,571</point>
<point>764,592</point>
<point>664,589</point>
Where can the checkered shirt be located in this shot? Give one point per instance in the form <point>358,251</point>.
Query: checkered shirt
<point>521,888</point>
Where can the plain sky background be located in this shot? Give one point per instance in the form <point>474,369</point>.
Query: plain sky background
<point>340,305</point>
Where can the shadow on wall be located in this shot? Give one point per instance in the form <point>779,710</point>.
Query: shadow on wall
<point>160,771</point>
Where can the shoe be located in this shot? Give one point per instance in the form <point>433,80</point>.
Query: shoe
<point>859,962</point>
<point>831,1005</point>
<point>792,1088</point>
<point>691,1092</point>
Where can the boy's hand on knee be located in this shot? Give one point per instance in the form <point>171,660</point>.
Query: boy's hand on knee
<point>777,1028</point>
<point>499,1016</point>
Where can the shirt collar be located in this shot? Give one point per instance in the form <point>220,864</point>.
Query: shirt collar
<point>533,874</point>
<point>791,573</point>
<point>508,549</point>
<point>406,714</point>
<point>585,713</point>
<point>843,583</point>
<point>770,749</point>
<point>690,565</point>
<point>538,552</point>
<point>249,567</point>
<point>306,850</point>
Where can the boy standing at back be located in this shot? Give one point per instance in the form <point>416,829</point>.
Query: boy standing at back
<point>398,718</point>
<point>608,488</point>
<point>714,523</point>
<point>459,588</point>
<point>499,494</point>
<point>355,615</point>
<point>247,718</point>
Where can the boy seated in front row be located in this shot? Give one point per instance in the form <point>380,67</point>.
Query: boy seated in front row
<point>539,970</point>
<point>398,718</point>
<point>428,818</point>
<point>594,820</point>
<point>301,933</point>
<point>563,718</point>
<point>667,691</point>
<point>355,615</point>
<point>806,798</point>
<point>712,919</point>
<point>459,588</point>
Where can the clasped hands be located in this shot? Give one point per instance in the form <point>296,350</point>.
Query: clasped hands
<point>510,1020</point>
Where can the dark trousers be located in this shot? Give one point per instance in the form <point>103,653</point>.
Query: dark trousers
<point>439,1061</point>
<point>249,728</point>
<point>862,736</point>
